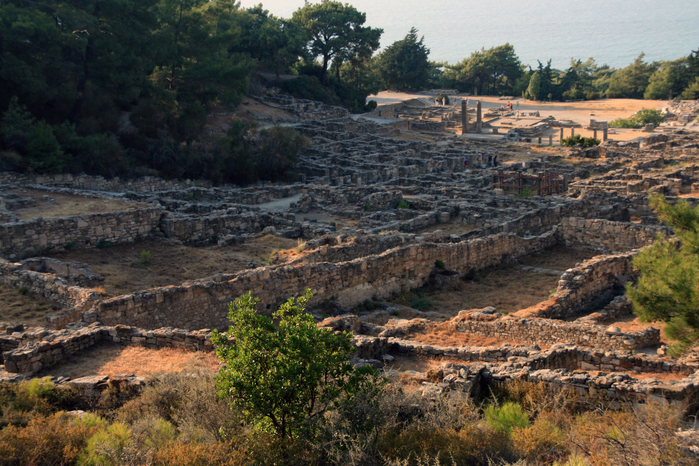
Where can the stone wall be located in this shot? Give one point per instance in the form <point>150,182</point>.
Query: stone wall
<point>204,303</point>
<point>98,183</point>
<point>606,236</point>
<point>60,289</point>
<point>549,332</point>
<point>24,239</point>
<point>33,356</point>
<point>594,284</point>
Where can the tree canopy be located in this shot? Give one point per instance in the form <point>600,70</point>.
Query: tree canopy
<point>284,376</point>
<point>668,288</point>
<point>336,32</point>
<point>404,65</point>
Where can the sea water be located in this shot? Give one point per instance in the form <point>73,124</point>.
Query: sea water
<point>613,32</point>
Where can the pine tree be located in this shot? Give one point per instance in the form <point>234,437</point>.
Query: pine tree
<point>668,288</point>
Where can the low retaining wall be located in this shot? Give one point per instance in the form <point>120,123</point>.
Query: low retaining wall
<point>204,303</point>
<point>584,288</point>
<point>98,183</point>
<point>53,349</point>
<point>606,236</point>
<point>50,286</point>
<point>549,332</point>
<point>24,239</point>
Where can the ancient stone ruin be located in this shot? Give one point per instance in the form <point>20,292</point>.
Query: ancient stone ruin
<point>384,205</point>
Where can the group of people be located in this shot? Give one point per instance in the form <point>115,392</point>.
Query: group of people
<point>508,107</point>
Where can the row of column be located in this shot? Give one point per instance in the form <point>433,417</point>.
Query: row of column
<point>464,117</point>
<point>594,133</point>
<point>479,123</point>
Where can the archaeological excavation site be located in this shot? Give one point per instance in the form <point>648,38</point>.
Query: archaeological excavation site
<point>463,248</point>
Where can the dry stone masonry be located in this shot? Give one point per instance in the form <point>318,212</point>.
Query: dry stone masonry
<point>384,203</point>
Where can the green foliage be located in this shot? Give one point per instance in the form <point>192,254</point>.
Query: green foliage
<point>367,207</point>
<point>278,148</point>
<point>418,299</point>
<point>668,288</point>
<point>639,120</point>
<point>578,140</point>
<point>507,417</point>
<point>534,87</point>
<point>403,204</point>
<point>103,243</point>
<point>439,263</point>
<point>404,65</point>
<point>632,81</point>
<point>485,72</point>
<point>106,446</point>
<point>145,257</point>
<point>526,194</point>
<point>336,33</point>
<point>284,377</point>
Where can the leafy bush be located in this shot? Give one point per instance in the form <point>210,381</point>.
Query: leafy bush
<point>284,377</point>
<point>541,442</point>
<point>54,439</point>
<point>639,120</point>
<point>106,446</point>
<point>506,417</point>
<point>145,257</point>
<point>578,140</point>
<point>403,205</point>
<point>439,263</point>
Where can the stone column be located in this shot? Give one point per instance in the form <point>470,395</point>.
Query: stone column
<point>604,134</point>
<point>594,133</point>
<point>539,141</point>
<point>479,118</point>
<point>550,139</point>
<point>464,116</point>
<point>560,138</point>
<point>572,132</point>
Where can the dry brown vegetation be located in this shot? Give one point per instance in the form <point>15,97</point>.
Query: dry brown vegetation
<point>111,359</point>
<point>58,205</point>
<point>440,334</point>
<point>170,263</point>
<point>25,308</point>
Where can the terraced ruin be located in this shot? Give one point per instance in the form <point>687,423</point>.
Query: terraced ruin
<point>401,232</point>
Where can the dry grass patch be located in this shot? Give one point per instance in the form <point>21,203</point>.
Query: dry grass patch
<point>25,308</point>
<point>508,289</point>
<point>452,227</point>
<point>170,263</point>
<point>441,335</point>
<point>58,205</point>
<point>111,359</point>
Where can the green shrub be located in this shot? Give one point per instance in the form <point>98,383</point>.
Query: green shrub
<point>403,205</point>
<point>367,207</point>
<point>275,373</point>
<point>540,443</point>
<point>578,140</point>
<point>103,243</point>
<point>54,439</point>
<point>439,263</point>
<point>639,120</point>
<point>506,417</point>
<point>106,446</point>
<point>145,257</point>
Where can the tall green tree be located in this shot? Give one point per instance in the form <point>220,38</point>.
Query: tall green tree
<point>405,65</point>
<point>668,287</point>
<point>631,82</point>
<point>285,376</point>
<point>335,32</point>
<point>493,71</point>
<point>275,43</point>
